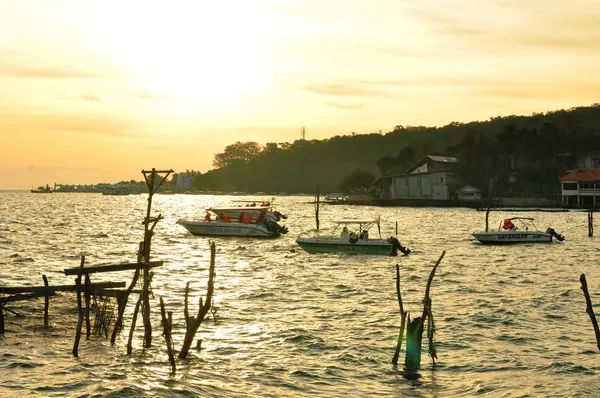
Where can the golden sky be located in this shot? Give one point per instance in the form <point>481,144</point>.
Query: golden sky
<point>95,91</point>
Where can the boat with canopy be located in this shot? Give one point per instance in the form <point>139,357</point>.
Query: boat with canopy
<point>525,232</point>
<point>352,236</point>
<point>248,220</point>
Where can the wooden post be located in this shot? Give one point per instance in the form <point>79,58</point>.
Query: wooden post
<point>133,322</point>
<point>192,324</point>
<point>489,204</point>
<point>153,186</point>
<point>402,313</point>
<point>79,311</point>
<point>414,329</point>
<point>396,232</point>
<point>167,324</point>
<point>589,308</point>
<point>122,302</point>
<point>317,203</point>
<point>46,301</point>
<point>86,290</point>
<point>1,319</point>
<point>590,223</point>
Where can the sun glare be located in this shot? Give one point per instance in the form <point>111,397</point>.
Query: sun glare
<point>194,50</point>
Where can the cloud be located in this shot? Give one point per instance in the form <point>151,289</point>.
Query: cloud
<point>345,90</point>
<point>344,106</point>
<point>91,98</point>
<point>25,122</point>
<point>45,73</point>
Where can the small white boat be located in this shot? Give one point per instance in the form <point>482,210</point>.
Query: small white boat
<point>246,221</point>
<point>353,242</point>
<point>508,233</point>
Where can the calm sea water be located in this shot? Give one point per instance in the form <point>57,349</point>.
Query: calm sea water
<point>510,320</point>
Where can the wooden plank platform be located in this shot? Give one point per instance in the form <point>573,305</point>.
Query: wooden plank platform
<point>111,268</point>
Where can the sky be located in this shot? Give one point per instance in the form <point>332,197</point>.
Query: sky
<point>95,91</point>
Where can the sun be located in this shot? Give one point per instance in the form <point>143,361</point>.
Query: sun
<point>197,51</point>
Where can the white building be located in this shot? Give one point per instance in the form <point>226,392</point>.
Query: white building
<point>468,193</point>
<point>429,178</point>
<point>581,188</point>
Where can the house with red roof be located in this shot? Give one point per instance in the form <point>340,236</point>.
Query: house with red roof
<point>581,188</point>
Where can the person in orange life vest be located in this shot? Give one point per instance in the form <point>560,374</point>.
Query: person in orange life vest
<point>248,218</point>
<point>261,217</point>
<point>241,219</point>
<point>508,224</point>
<point>226,217</point>
<point>207,216</point>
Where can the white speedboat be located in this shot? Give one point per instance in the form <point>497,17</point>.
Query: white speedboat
<point>258,221</point>
<point>356,241</point>
<point>508,233</point>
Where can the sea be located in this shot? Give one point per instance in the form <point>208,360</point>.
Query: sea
<point>509,321</point>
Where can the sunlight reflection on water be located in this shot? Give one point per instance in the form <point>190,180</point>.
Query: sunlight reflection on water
<point>510,320</point>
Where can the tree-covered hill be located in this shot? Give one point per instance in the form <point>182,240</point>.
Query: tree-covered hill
<point>299,166</point>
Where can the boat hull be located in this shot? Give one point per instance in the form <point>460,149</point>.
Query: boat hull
<point>512,237</point>
<point>316,245</point>
<point>218,228</point>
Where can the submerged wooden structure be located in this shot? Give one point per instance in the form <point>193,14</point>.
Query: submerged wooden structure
<point>416,327</point>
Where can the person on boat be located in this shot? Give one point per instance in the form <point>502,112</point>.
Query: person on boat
<point>248,218</point>
<point>364,235</point>
<point>353,237</point>
<point>241,219</point>
<point>261,217</point>
<point>207,217</point>
<point>226,217</point>
<point>508,225</point>
<point>344,234</point>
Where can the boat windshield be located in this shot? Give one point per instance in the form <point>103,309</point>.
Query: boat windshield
<point>516,223</point>
<point>363,225</point>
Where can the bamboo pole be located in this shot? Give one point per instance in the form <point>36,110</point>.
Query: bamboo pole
<point>590,309</point>
<point>167,324</point>
<point>46,301</point>
<point>193,323</point>
<point>79,311</point>
<point>590,223</point>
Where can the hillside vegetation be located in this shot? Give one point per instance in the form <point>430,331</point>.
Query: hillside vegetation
<point>485,149</point>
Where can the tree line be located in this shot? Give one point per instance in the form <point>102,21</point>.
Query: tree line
<point>535,149</point>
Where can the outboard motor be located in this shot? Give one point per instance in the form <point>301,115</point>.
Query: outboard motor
<point>398,246</point>
<point>552,232</point>
<point>277,229</point>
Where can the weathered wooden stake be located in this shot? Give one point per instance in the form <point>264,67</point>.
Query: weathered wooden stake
<point>590,223</point>
<point>86,289</point>
<point>167,324</point>
<point>489,204</point>
<point>396,231</point>
<point>79,311</point>
<point>46,301</point>
<point>122,301</point>
<point>590,309</point>
<point>317,204</point>
<point>192,324</point>
<point>402,314</point>
<point>133,322</point>
<point>153,186</point>
<point>1,319</point>
<point>414,329</point>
